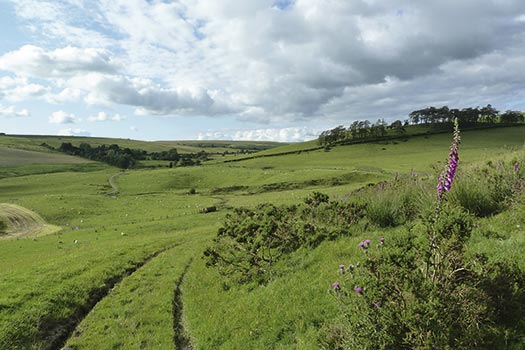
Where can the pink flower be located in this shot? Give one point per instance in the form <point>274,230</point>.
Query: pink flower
<point>382,240</point>
<point>342,266</point>
<point>358,290</point>
<point>336,286</point>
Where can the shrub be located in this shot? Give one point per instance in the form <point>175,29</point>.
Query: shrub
<point>415,292</point>
<point>252,240</point>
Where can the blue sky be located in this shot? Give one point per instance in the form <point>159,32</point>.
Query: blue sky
<point>261,69</point>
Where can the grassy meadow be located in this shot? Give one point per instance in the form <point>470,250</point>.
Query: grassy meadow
<point>123,267</point>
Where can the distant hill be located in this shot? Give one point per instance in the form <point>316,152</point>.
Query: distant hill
<point>34,142</point>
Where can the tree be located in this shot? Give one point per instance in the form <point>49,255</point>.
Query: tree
<point>488,114</point>
<point>511,117</point>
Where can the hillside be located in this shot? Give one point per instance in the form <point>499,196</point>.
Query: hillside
<point>34,142</point>
<point>127,271</point>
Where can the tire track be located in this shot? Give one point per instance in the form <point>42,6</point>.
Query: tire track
<point>180,338</point>
<point>55,333</point>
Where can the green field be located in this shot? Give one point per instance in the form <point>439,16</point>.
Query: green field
<point>34,142</point>
<point>125,270</point>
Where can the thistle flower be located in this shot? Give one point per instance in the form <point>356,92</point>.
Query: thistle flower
<point>449,170</point>
<point>342,266</point>
<point>361,244</point>
<point>336,286</point>
<point>358,290</point>
<point>350,267</point>
<point>367,242</point>
<point>516,167</point>
<point>382,240</point>
<point>377,304</point>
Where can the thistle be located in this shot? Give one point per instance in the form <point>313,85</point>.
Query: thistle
<point>449,170</point>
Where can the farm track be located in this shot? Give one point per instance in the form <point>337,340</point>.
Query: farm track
<point>112,182</point>
<point>180,339</point>
<point>56,332</point>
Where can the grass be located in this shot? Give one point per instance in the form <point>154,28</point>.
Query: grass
<point>46,281</point>
<point>22,222</point>
<point>34,143</point>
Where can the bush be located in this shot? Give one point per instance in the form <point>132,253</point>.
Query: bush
<point>423,292</point>
<point>252,240</point>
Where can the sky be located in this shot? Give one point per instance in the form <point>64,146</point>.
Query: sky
<point>278,70</point>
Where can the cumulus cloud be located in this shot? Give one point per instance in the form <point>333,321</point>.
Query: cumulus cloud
<point>291,134</point>
<point>61,117</point>
<point>103,117</point>
<point>148,97</point>
<point>269,61</point>
<point>73,132</point>
<point>34,61</point>
<point>11,111</point>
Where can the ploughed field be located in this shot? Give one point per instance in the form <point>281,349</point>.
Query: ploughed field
<point>98,258</point>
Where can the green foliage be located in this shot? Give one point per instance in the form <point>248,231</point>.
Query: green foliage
<point>252,240</point>
<point>487,191</point>
<point>424,292</point>
<point>395,203</point>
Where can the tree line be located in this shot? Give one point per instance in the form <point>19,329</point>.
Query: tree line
<point>126,158</point>
<point>432,117</point>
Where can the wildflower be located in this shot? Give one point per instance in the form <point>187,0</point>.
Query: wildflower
<point>336,286</point>
<point>516,167</point>
<point>367,242</point>
<point>361,244</point>
<point>350,267</point>
<point>382,240</point>
<point>377,304</point>
<point>449,171</point>
<point>358,290</point>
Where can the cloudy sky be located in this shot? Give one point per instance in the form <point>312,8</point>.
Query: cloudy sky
<point>280,70</point>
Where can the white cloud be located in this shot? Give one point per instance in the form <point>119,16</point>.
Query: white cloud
<point>102,117</point>
<point>291,134</point>
<point>273,61</point>
<point>133,128</point>
<point>11,111</point>
<point>66,95</point>
<point>148,97</point>
<point>34,61</point>
<point>61,117</point>
<point>73,132</point>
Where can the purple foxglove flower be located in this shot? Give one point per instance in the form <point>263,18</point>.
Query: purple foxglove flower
<point>446,178</point>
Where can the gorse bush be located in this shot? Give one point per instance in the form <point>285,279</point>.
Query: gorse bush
<point>252,240</point>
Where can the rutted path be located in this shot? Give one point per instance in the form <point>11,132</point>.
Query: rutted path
<point>56,335</point>
<point>181,340</point>
<point>112,182</point>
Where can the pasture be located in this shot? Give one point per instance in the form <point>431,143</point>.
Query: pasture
<point>125,270</point>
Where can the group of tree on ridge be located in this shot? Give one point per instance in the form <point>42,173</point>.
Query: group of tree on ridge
<point>433,117</point>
